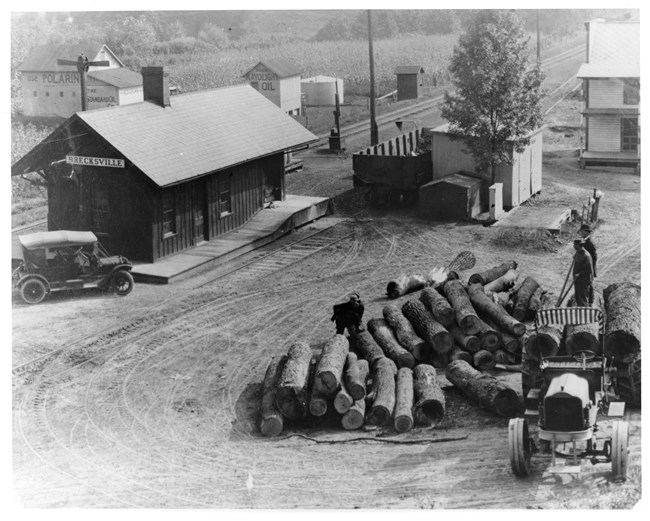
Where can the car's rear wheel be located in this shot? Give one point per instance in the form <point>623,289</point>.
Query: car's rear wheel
<point>33,291</point>
<point>122,282</point>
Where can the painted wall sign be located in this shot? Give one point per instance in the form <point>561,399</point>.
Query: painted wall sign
<point>95,161</point>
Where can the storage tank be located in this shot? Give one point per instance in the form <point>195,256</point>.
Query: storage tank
<point>321,90</point>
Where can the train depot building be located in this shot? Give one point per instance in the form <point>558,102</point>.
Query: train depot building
<point>52,90</point>
<point>155,178</point>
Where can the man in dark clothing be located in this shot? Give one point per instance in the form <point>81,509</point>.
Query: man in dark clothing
<point>585,233</point>
<point>583,275</point>
<point>349,314</point>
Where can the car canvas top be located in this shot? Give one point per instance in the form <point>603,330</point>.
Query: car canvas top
<point>56,238</point>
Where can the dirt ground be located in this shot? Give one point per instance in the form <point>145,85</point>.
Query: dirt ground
<point>152,400</point>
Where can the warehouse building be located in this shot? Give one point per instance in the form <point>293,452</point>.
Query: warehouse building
<point>278,80</point>
<point>52,90</point>
<point>155,178</point>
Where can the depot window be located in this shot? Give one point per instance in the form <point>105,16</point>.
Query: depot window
<point>225,195</point>
<point>631,92</point>
<point>168,213</point>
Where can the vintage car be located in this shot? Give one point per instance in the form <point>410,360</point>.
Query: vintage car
<point>68,260</point>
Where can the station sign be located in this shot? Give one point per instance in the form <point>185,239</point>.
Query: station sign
<point>95,161</point>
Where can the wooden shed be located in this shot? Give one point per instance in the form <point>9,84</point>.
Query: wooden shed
<point>521,179</point>
<point>455,197</point>
<point>154,178</point>
<point>409,82</point>
<point>278,79</point>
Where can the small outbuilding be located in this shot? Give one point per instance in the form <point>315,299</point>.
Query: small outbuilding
<point>52,90</point>
<point>455,197</point>
<point>152,179</point>
<point>521,179</point>
<point>410,82</point>
<point>278,79</point>
<point>321,90</point>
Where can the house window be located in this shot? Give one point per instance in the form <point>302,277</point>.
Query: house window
<point>225,195</point>
<point>100,208</point>
<point>61,93</point>
<point>35,93</point>
<point>629,134</point>
<point>631,92</point>
<point>47,94</point>
<point>74,94</point>
<point>168,213</point>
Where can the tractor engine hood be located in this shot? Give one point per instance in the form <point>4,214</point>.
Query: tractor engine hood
<point>566,402</point>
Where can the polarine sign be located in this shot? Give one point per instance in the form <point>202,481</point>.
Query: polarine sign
<point>95,161</point>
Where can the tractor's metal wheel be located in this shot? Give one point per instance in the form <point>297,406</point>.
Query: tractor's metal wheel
<point>628,383</point>
<point>620,440</point>
<point>33,291</point>
<point>519,447</point>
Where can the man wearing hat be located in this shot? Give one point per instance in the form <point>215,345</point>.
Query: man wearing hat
<point>585,233</point>
<point>583,275</point>
<point>349,314</point>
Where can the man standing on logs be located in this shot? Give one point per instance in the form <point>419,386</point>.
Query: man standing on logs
<point>348,314</point>
<point>583,275</point>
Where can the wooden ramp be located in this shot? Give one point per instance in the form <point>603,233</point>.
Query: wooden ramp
<point>264,227</point>
<point>535,217</point>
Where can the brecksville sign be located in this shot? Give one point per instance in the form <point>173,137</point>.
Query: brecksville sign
<point>95,161</point>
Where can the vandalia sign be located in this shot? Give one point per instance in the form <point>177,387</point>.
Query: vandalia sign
<point>95,161</point>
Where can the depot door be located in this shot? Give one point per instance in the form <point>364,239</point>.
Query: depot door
<point>200,212</point>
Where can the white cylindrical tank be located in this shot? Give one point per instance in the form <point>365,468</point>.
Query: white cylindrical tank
<point>321,90</point>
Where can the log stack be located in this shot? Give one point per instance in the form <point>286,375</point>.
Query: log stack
<point>623,322</point>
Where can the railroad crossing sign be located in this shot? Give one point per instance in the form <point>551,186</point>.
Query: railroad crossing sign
<point>83,65</point>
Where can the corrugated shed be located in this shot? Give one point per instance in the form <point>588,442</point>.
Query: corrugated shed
<point>200,132</point>
<point>118,77</point>
<point>614,50</point>
<point>280,66</point>
<point>409,69</point>
<point>44,57</point>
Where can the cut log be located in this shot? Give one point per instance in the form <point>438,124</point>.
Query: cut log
<point>386,339</point>
<point>511,343</point>
<point>291,398</point>
<point>353,419</point>
<point>403,417</point>
<point>502,357</point>
<point>330,366</point>
<point>383,382</point>
<point>429,406</point>
<point>427,328</point>
<point>405,284</point>
<point>489,337</point>
<point>496,314</point>
<point>439,360</point>
<point>355,381</point>
<point>403,330</point>
<point>535,303</point>
<point>317,402</point>
<point>465,260</point>
<point>522,298</point>
<point>466,317</point>
<point>343,401</point>
<point>458,354</point>
<point>544,341</point>
<point>582,337</point>
<point>623,324</point>
<point>271,421</point>
<point>484,360</point>
<point>502,284</point>
<point>469,343</point>
<point>365,346</point>
<point>489,275</point>
<point>488,391</point>
<point>439,306</point>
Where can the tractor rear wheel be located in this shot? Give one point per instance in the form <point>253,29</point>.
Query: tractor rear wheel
<point>628,383</point>
<point>519,447</point>
<point>620,440</point>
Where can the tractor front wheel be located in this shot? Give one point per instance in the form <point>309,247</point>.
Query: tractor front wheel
<point>519,447</point>
<point>620,440</point>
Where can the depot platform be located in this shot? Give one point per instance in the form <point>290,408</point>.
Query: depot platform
<point>534,217</point>
<point>264,227</point>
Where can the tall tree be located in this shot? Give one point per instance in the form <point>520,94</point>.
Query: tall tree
<point>497,98</point>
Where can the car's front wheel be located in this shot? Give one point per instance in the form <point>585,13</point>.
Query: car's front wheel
<point>122,282</point>
<point>33,291</point>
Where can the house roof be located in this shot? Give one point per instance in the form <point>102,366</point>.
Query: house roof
<point>614,50</point>
<point>44,57</point>
<point>119,77</point>
<point>201,132</point>
<point>280,66</point>
<point>409,69</point>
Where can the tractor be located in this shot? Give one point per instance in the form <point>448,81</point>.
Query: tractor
<point>572,394</point>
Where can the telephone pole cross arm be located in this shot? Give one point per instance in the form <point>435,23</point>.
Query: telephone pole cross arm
<point>83,65</point>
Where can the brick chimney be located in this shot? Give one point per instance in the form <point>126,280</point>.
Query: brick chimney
<point>155,85</point>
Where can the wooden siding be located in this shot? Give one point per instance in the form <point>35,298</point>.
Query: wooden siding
<point>604,134</point>
<point>408,86</point>
<point>290,94</point>
<point>606,93</point>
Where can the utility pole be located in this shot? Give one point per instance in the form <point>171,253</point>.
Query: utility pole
<point>539,59</point>
<point>374,133</point>
<point>83,65</point>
